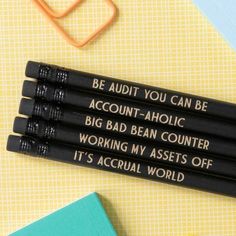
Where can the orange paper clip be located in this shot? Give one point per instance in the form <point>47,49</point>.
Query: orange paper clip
<point>52,16</point>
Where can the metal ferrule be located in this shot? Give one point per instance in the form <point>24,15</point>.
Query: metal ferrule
<point>53,74</point>
<point>47,111</point>
<point>44,71</point>
<point>27,145</point>
<point>42,149</point>
<point>49,131</point>
<point>30,146</point>
<point>41,129</point>
<point>32,127</point>
<point>59,95</point>
<point>49,92</point>
<point>61,76</point>
<point>41,90</point>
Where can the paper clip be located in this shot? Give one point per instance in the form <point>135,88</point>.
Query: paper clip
<point>52,16</point>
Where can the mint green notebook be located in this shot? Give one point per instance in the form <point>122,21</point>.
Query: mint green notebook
<point>84,217</point>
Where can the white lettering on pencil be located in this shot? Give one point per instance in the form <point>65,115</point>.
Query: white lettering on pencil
<point>155,95</point>
<point>94,122</point>
<point>185,140</point>
<point>138,149</point>
<point>119,88</point>
<point>165,119</point>
<point>107,143</point>
<point>166,174</point>
<point>181,101</point>
<point>169,156</point>
<point>119,164</point>
<point>146,132</point>
<point>114,108</point>
<point>141,131</point>
<point>80,155</point>
<point>116,126</point>
<point>152,95</point>
<point>201,105</point>
<point>202,162</point>
<point>135,112</point>
<point>98,84</point>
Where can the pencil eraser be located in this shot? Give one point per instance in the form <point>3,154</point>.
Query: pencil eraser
<point>20,125</point>
<point>29,88</point>
<point>32,69</point>
<point>13,143</point>
<point>85,216</point>
<point>26,106</point>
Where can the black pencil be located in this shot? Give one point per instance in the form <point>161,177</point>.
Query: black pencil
<point>123,146</point>
<point>103,161</point>
<point>131,90</point>
<point>121,126</point>
<point>131,109</point>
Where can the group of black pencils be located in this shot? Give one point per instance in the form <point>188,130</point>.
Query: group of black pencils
<point>128,128</point>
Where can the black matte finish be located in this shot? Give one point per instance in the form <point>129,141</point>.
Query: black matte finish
<point>127,146</point>
<point>85,80</point>
<point>120,126</point>
<point>135,110</point>
<point>90,158</point>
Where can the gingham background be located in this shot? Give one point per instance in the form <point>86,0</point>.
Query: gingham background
<point>167,43</point>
